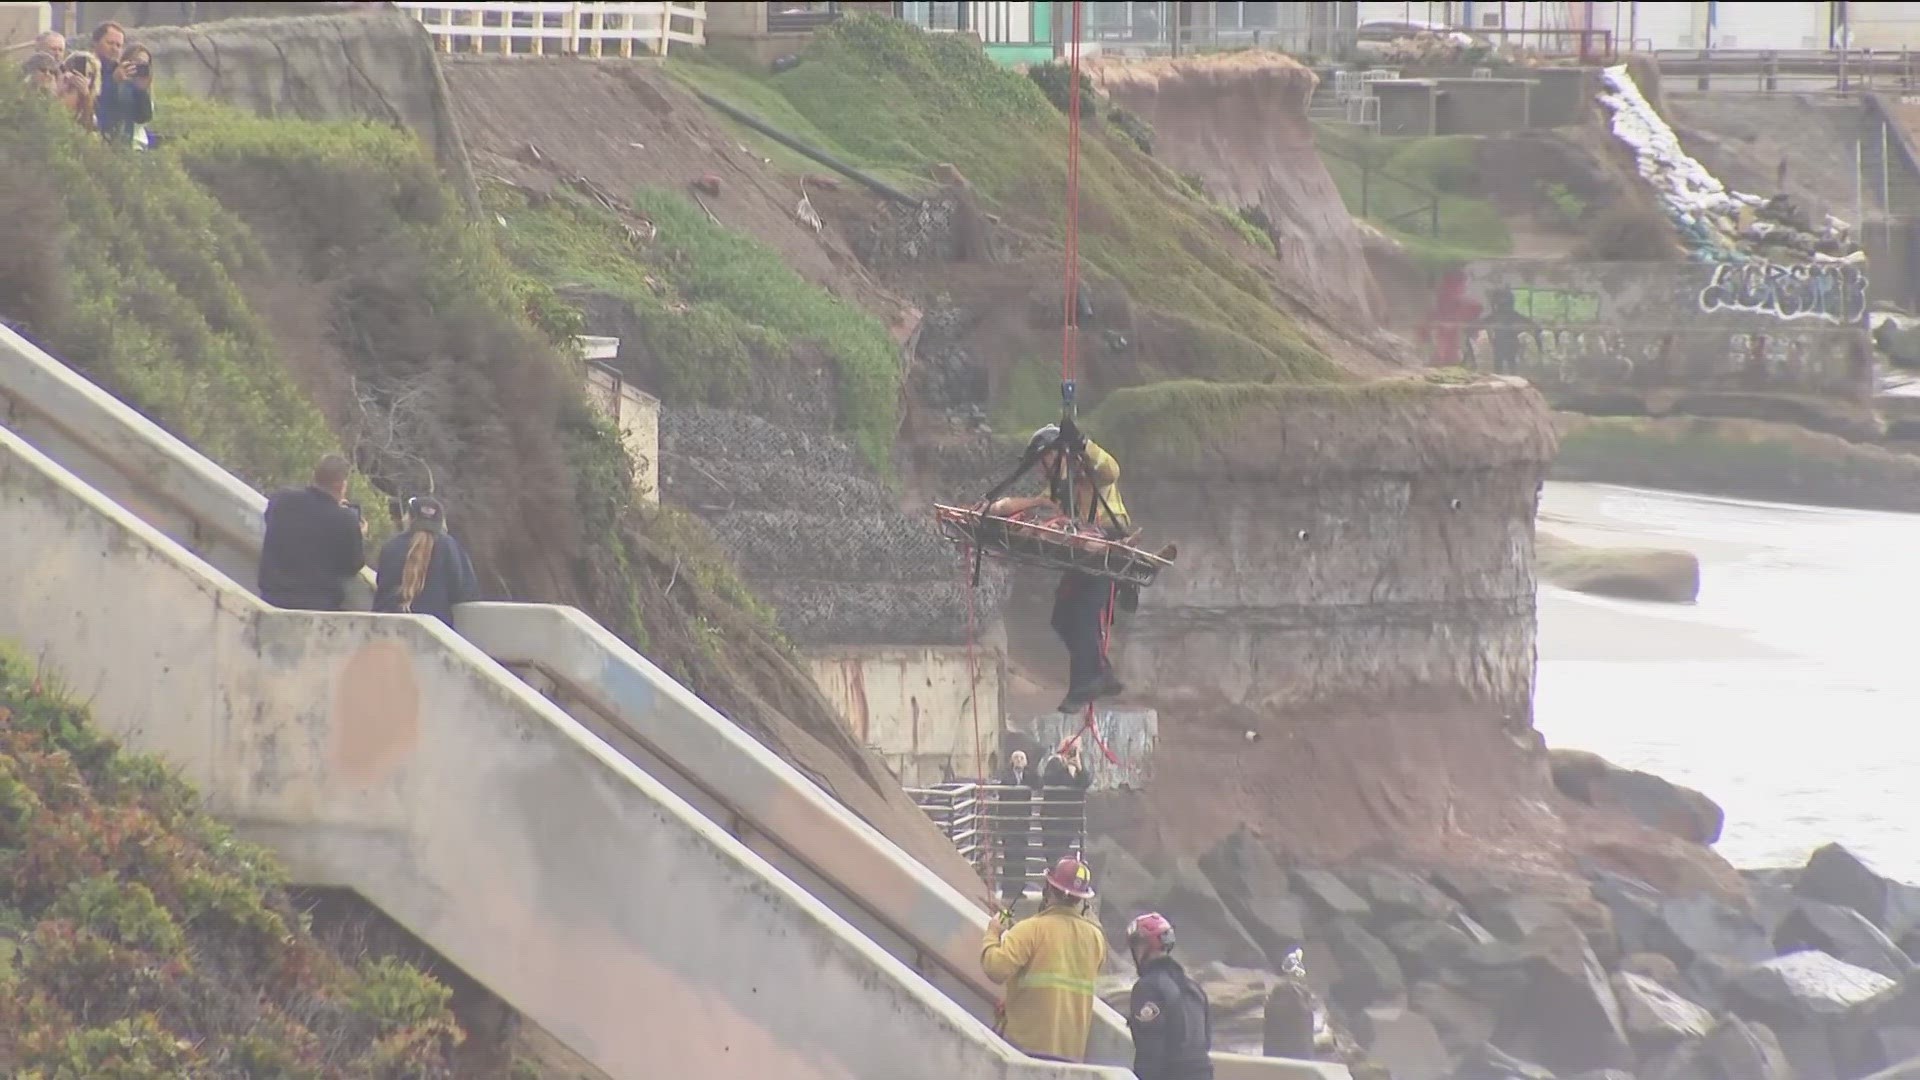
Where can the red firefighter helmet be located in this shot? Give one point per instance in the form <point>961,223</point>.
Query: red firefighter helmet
<point>1149,935</point>
<point>1072,877</point>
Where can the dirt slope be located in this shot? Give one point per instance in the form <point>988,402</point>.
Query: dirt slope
<point>1239,122</point>
<point>622,124</point>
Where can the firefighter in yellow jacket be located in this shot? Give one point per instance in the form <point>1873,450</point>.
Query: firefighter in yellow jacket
<point>1048,964</point>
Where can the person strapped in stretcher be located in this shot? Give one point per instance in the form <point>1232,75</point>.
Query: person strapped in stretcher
<point>1082,500</point>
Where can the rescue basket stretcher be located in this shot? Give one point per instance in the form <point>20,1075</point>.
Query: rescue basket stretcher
<point>1047,546</point>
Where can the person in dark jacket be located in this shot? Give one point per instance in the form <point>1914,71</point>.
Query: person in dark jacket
<point>1063,793</point>
<point>1013,823</point>
<point>315,542</point>
<point>423,571</point>
<point>1172,1023</point>
<point>126,86</point>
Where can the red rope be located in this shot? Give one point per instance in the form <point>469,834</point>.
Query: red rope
<point>1070,324</point>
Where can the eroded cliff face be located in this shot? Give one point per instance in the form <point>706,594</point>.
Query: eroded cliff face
<point>1238,121</point>
<point>1345,545</point>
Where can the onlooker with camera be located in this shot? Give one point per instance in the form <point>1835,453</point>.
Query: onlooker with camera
<point>79,87</point>
<point>315,542</point>
<point>127,103</point>
<point>423,571</point>
<point>126,86</point>
<point>42,72</point>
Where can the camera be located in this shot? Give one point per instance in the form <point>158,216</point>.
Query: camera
<point>140,71</point>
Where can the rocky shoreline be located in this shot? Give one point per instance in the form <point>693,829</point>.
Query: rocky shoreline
<point>1478,974</point>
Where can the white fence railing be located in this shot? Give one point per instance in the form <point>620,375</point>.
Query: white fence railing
<point>564,29</point>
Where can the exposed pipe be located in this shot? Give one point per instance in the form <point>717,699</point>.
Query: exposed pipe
<point>879,187</point>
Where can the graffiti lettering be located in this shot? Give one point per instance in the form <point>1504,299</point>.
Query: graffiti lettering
<point>1556,306</point>
<point>1832,292</point>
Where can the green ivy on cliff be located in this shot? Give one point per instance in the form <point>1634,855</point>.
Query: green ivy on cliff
<point>718,310</point>
<point>140,940</point>
<point>936,98</point>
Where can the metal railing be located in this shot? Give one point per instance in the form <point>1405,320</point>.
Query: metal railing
<point>1797,70</point>
<point>1007,832</point>
<point>566,29</point>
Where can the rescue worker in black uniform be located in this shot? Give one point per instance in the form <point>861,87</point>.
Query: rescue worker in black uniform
<point>1168,1014</point>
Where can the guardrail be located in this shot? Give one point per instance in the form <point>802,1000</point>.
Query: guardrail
<point>1007,830</point>
<point>567,29</point>
<point>1845,69</point>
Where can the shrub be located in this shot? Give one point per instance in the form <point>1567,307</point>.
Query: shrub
<point>1625,233</point>
<point>152,945</point>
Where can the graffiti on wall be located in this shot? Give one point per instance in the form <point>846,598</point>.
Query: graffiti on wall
<point>1594,356</point>
<point>1832,292</point>
<point>1555,305</point>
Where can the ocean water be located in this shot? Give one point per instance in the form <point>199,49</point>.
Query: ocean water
<point>1789,693</point>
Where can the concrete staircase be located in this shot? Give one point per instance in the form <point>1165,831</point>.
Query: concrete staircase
<point>582,839</point>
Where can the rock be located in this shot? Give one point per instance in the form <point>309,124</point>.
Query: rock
<point>1687,1061</point>
<point>1330,896</point>
<point>1888,1048</point>
<point>707,184</point>
<point>1428,949</point>
<point>1405,1042</point>
<point>1604,1074</point>
<point>1396,895</point>
<point>1906,1070</point>
<point>1657,802</point>
<point>1654,967</point>
<point>1805,984</point>
<point>1123,885</point>
<point>1462,1023</point>
<point>1635,907</point>
<point>1875,1035</point>
<point>1287,1028</point>
<point>1808,1047</point>
<point>1656,1016</point>
<point>1231,990</point>
<point>1254,888</point>
<point>1203,927</point>
<point>1519,918</point>
<point>1748,1051</point>
<point>1369,973</point>
<point>1842,933</point>
<point>1489,1062</point>
<point>1838,876</point>
<point>1569,1016</point>
<point>1701,926</point>
<point>1656,574</point>
<point>1473,887</point>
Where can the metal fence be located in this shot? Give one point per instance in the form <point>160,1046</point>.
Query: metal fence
<point>1010,834</point>
<point>538,29</point>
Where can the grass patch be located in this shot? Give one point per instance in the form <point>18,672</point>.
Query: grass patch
<point>139,938</point>
<point>718,309</point>
<point>947,102</point>
<point>1406,174</point>
<point>1740,458</point>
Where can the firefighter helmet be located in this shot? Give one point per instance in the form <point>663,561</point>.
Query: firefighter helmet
<point>1072,877</point>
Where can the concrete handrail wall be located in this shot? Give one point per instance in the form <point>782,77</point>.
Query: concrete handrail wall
<point>529,27</point>
<point>681,741</point>
<point>384,754</point>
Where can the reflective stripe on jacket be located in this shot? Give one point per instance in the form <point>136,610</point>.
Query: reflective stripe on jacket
<point>1048,964</point>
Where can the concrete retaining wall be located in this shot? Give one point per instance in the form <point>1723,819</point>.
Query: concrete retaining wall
<point>385,754</point>
<point>915,706</point>
<point>1757,327</point>
<point>636,414</point>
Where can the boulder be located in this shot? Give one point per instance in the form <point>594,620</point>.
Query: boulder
<point>1397,895</point>
<point>1879,1033</point>
<point>1122,884</point>
<point>1840,932</point>
<point>1906,1070</point>
<point>1462,1023</point>
<point>1838,876</point>
<point>1489,1062</point>
<point>1252,884</point>
<point>1568,1016</point>
<point>1748,1051</point>
<point>1653,966</point>
<point>1655,801</point>
<point>1428,949</point>
<point>1329,896</point>
<point>1635,907</point>
<point>1518,918</point>
<point>1656,1016</point>
<point>1809,985</point>
<point>1405,1042</point>
<point>1231,990</point>
<point>1204,928</point>
<point>1808,1045</point>
<point>1477,885</point>
<point>1702,926</point>
<point>1369,973</point>
<point>1604,1074</point>
<point>1687,1061</point>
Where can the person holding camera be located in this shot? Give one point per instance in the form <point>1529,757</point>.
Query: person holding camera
<point>315,542</point>
<point>126,84</point>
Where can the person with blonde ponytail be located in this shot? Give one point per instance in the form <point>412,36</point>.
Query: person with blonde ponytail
<point>424,571</point>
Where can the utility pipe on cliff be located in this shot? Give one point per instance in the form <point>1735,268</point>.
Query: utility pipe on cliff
<point>878,186</point>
